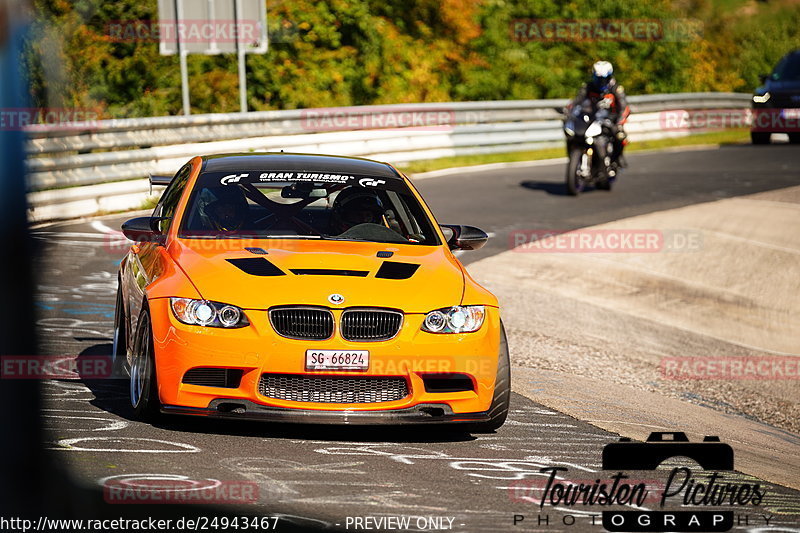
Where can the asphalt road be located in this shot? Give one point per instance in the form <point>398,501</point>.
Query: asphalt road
<point>534,198</point>
<point>322,475</point>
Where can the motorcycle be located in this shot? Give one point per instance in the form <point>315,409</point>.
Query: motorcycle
<point>590,145</point>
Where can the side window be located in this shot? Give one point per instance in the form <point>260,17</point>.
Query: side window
<point>169,199</point>
<point>406,215</point>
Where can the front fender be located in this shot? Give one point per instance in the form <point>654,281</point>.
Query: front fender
<point>168,279</point>
<point>475,293</point>
<point>165,279</point>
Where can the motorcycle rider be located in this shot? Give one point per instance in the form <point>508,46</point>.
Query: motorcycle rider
<point>603,91</point>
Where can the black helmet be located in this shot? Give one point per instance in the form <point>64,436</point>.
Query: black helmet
<point>355,206</point>
<point>229,210</point>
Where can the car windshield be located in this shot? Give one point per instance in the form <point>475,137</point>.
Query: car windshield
<point>788,69</point>
<point>305,205</point>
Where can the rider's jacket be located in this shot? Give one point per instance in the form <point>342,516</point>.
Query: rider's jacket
<point>613,96</point>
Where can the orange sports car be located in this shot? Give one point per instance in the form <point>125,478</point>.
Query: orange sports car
<point>306,288</point>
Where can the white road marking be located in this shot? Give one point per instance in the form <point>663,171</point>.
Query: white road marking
<point>70,234</point>
<point>130,480</point>
<point>112,424</point>
<point>70,445</point>
<point>102,228</point>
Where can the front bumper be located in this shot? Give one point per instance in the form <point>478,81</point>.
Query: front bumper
<point>257,349</point>
<point>780,119</point>
<point>247,410</point>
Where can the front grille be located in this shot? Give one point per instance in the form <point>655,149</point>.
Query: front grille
<point>370,324</point>
<point>305,323</point>
<point>228,378</point>
<point>332,389</point>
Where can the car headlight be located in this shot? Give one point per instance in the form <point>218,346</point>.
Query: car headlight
<point>205,313</point>
<point>456,319</point>
<point>761,99</point>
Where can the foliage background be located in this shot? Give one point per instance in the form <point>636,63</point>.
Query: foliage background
<point>354,52</point>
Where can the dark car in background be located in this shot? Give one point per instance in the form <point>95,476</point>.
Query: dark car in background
<point>776,103</point>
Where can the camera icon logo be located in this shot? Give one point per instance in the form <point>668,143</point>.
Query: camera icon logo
<point>711,454</point>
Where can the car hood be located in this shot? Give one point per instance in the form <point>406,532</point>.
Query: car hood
<point>415,279</point>
<point>781,87</point>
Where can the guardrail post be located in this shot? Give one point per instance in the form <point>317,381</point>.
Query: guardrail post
<point>182,53</point>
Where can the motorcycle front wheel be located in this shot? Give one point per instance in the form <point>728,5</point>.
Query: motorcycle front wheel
<point>575,182</point>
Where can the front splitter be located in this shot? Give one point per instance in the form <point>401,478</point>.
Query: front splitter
<point>431,413</point>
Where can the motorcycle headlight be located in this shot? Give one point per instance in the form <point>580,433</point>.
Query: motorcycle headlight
<point>593,130</point>
<point>205,313</point>
<point>456,319</point>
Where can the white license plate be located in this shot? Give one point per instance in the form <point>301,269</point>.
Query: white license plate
<point>337,359</point>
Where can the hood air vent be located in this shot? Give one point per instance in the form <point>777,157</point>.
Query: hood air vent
<point>256,266</point>
<point>328,272</point>
<point>257,251</point>
<point>395,270</point>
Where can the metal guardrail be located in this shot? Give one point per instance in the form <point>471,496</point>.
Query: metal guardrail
<point>97,168</point>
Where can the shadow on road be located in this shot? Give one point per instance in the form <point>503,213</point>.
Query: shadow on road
<point>328,433</point>
<point>111,395</point>
<point>557,189</point>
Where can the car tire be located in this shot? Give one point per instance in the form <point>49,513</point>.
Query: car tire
<point>119,346</point>
<point>144,382</point>
<point>760,137</point>
<point>501,400</point>
<point>573,182</point>
<point>794,138</point>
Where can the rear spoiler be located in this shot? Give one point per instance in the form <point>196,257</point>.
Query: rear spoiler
<point>159,181</point>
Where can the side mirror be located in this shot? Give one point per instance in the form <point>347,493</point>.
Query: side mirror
<point>143,229</point>
<point>464,237</point>
<point>763,77</point>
